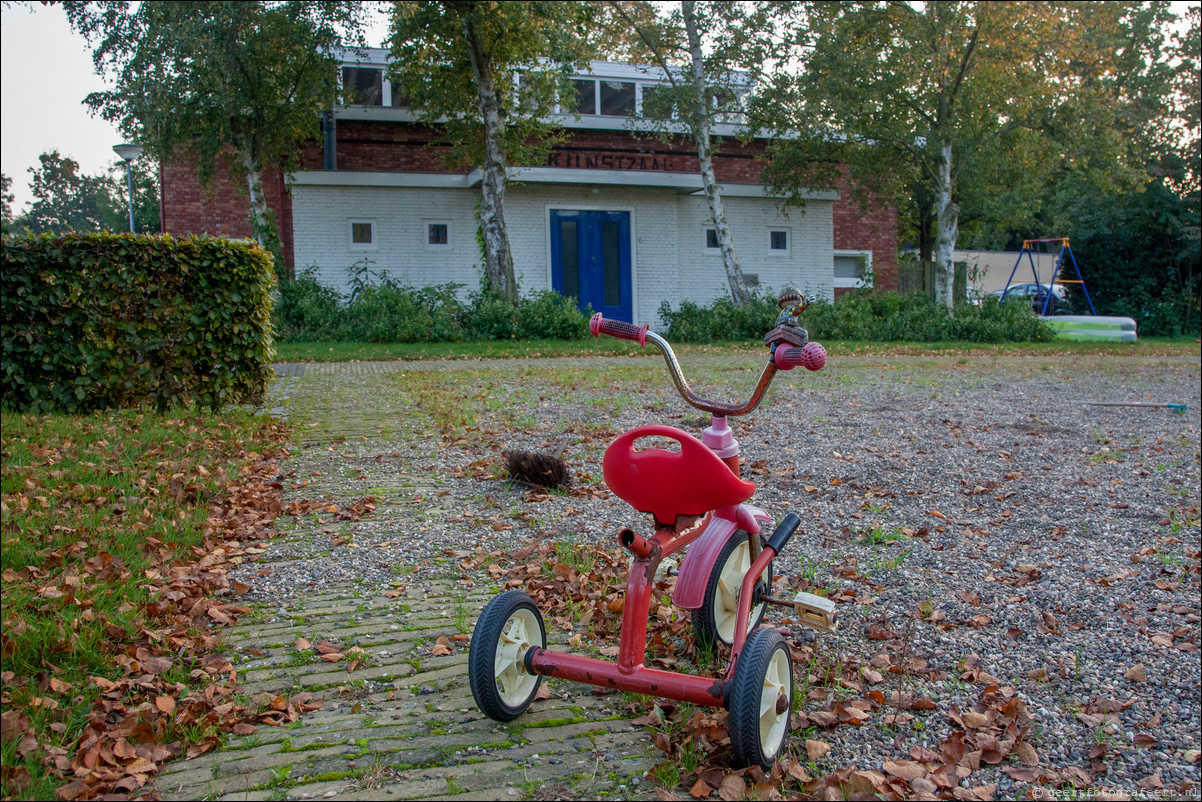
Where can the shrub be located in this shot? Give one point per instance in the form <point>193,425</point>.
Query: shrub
<point>549,315</point>
<point>382,311</point>
<point>488,316</point>
<point>306,310</point>
<point>872,315</point>
<point>883,316</point>
<point>720,321</point>
<point>95,321</point>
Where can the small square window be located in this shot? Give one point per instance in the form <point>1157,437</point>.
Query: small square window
<point>361,235</point>
<point>711,238</point>
<point>438,234</point>
<point>778,240</point>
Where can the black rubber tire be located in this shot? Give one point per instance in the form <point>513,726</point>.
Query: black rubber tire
<point>746,736</point>
<point>482,655</point>
<point>705,619</point>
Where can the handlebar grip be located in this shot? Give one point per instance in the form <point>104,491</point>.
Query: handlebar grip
<point>783,532</point>
<point>617,328</point>
<point>811,357</point>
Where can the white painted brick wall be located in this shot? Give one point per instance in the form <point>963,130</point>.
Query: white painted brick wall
<point>670,261</point>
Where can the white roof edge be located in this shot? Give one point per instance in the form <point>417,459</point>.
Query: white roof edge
<point>684,183</point>
<point>586,122</point>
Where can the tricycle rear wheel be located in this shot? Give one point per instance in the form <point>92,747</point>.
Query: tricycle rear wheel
<point>510,625</point>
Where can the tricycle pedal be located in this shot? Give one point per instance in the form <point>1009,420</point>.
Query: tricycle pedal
<point>815,611</point>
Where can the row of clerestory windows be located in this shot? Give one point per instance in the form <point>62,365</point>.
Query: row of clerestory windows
<point>603,97</point>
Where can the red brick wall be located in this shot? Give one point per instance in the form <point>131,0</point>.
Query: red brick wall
<point>874,229</point>
<point>403,147</point>
<point>223,209</point>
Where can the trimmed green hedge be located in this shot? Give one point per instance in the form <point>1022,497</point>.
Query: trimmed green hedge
<point>106,320</point>
<point>871,315</point>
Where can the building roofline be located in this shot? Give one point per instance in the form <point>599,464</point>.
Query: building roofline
<point>682,183</point>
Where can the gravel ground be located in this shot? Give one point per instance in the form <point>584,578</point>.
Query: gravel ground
<point>971,503</point>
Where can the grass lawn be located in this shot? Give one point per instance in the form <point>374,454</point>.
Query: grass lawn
<point>607,346</point>
<point>106,609</point>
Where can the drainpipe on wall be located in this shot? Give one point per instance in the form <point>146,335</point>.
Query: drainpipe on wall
<point>329,133</point>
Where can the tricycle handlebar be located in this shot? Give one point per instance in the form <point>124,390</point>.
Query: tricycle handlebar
<point>643,335</point>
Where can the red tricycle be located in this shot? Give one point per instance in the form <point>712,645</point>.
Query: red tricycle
<point>696,496</point>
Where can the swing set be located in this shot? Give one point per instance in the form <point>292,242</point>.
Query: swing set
<point>1028,250</point>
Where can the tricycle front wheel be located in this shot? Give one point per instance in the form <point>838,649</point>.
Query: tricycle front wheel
<point>761,701</point>
<point>510,626</point>
<point>715,619</point>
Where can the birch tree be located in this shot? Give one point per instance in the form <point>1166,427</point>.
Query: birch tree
<point>709,56</point>
<point>999,94</point>
<point>211,79</point>
<point>487,75</point>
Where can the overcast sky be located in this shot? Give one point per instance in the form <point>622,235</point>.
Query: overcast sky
<point>45,73</point>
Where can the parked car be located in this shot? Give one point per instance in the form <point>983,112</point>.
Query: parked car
<point>1034,294</point>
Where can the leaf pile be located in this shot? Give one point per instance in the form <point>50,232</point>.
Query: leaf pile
<point>119,530</point>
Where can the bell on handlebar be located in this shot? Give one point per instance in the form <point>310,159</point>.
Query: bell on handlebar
<point>787,333</point>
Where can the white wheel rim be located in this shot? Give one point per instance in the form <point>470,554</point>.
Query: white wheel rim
<point>514,683</point>
<point>778,682</point>
<point>726,596</point>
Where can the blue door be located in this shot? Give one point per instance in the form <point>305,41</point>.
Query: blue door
<point>590,260</point>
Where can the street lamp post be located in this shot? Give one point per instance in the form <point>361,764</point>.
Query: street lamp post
<point>129,152</point>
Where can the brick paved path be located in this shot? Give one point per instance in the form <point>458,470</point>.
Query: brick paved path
<point>403,725</point>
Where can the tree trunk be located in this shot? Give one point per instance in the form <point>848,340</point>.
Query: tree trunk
<point>926,220</point>
<point>948,214</point>
<point>713,192</point>
<point>261,219</point>
<point>498,259</point>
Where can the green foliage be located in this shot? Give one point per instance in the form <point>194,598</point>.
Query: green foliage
<point>867,315</point>
<point>108,320</point>
<point>548,315</point>
<point>211,77</point>
<point>540,41</point>
<point>1138,252</point>
<point>65,200</point>
<point>961,113</point>
<point>382,311</point>
<point>720,321</point>
<point>6,202</point>
<point>879,316</point>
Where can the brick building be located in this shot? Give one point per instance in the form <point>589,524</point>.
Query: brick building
<point>616,219</point>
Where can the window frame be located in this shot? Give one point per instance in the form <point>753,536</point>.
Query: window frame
<point>865,269</point>
<point>436,246</point>
<point>780,253</point>
<point>716,248</point>
<point>351,222</point>
<point>385,85</point>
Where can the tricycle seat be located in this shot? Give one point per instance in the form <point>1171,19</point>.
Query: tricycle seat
<point>692,481</point>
